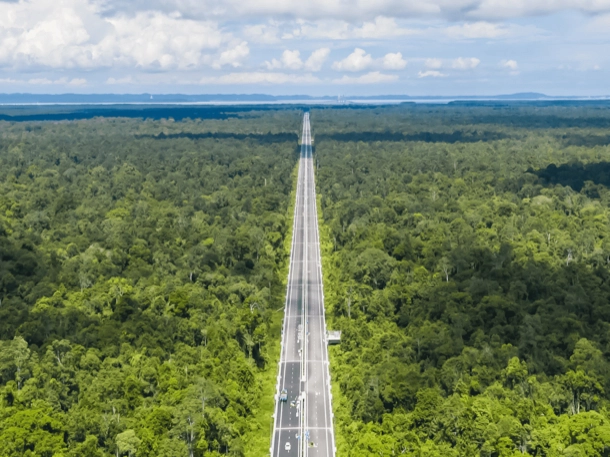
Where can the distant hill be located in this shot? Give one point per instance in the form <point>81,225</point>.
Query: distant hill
<point>524,96</point>
<point>22,98</point>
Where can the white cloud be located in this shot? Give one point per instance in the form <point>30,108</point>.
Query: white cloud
<point>291,60</point>
<point>115,81</point>
<point>73,34</point>
<point>462,63</point>
<point>260,77</point>
<point>357,61</point>
<point>510,64</point>
<point>330,29</point>
<point>171,43</point>
<point>263,34</point>
<point>353,10</point>
<point>158,41</point>
<point>434,64</point>
<point>490,31</point>
<point>498,9</point>
<point>46,81</point>
<point>393,61</point>
<point>61,81</point>
<point>431,74</point>
<point>317,59</point>
<point>320,30</point>
<point>382,27</point>
<point>77,82</point>
<point>232,57</point>
<point>349,10</point>
<point>373,77</point>
<point>477,30</point>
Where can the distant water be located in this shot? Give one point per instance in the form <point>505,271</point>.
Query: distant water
<point>20,112</point>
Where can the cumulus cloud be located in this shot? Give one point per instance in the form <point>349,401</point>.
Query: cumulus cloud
<point>320,30</point>
<point>479,29</point>
<point>116,81</point>
<point>317,59</point>
<point>510,65</point>
<point>373,77</point>
<point>177,40</point>
<point>61,81</point>
<point>434,64</point>
<point>77,82</point>
<point>155,40</point>
<point>379,29</point>
<point>431,74</point>
<point>260,77</point>
<point>261,33</point>
<point>357,61</point>
<point>73,34</point>
<point>46,81</point>
<point>291,60</point>
<point>393,61</point>
<point>462,63</point>
<point>232,57</point>
<point>382,27</point>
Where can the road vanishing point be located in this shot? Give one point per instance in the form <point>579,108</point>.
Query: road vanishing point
<point>303,425</point>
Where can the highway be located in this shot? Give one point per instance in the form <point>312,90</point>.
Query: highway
<point>305,419</point>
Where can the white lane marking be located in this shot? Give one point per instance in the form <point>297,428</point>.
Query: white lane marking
<point>296,428</point>
<point>321,302</point>
<point>287,307</point>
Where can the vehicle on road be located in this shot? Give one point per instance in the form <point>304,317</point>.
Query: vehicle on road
<point>287,447</point>
<point>284,395</point>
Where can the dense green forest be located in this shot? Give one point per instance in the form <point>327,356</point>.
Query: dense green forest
<point>467,262</point>
<point>466,253</point>
<point>141,267</point>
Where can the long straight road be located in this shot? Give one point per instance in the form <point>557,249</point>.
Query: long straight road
<point>305,420</point>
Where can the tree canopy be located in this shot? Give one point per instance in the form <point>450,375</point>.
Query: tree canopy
<point>141,267</point>
<point>468,269</point>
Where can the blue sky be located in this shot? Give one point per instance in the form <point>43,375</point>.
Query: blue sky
<point>315,47</point>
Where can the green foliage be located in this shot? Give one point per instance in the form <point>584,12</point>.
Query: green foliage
<point>469,273</point>
<point>139,277</point>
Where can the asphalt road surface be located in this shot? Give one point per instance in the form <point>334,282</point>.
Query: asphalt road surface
<point>305,420</point>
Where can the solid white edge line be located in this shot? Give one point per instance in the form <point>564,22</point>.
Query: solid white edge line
<point>286,315</point>
<point>323,308</point>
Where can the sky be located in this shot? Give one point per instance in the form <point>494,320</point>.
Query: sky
<point>314,47</point>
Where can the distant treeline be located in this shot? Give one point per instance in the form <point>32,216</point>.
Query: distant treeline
<point>261,137</point>
<point>427,137</point>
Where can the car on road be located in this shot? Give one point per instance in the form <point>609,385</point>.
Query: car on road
<point>287,447</point>
<point>284,395</point>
